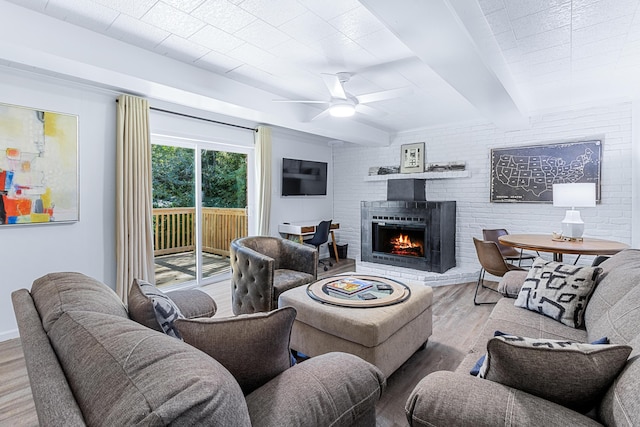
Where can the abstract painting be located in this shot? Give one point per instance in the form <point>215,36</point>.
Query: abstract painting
<point>38,166</point>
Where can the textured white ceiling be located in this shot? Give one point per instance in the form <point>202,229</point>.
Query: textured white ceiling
<point>540,53</point>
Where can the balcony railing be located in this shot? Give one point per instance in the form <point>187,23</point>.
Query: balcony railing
<point>174,229</point>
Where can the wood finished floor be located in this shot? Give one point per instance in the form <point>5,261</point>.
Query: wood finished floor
<point>456,322</point>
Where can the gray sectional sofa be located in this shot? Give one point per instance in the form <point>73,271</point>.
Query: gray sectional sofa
<point>89,363</point>
<point>613,311</point>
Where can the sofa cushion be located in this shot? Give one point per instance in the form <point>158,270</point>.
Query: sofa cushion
<point>620,275</point>
<point>622,321</point>
<point>307,396</point>
<point>571,374</point>
<point>511,283</point>
<point>284,279</point>
<point>557,290</point>
<point>524,323</point>
<point>450,399</point>
<point>193,303</point>
<point>57,293</point>
<point>150,307</point>
<point>621,405</point>
<point>128,374</point>
<point>253,347</point>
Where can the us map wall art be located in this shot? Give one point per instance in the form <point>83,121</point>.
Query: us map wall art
<point>38,166</point>
<point>527,174</point>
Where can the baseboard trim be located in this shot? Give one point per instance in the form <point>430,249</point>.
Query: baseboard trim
<point>9,335</point>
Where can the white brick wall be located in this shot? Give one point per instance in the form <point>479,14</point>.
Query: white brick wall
<point>472,143</point>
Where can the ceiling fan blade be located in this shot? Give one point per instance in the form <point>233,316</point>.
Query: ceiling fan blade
<point>322,115</point>
<point>385,94</point>
<point>334,85</point>
<point>305,101</point>
<point>370,111</point>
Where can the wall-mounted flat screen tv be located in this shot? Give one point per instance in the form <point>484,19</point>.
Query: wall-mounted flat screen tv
<point>304,178</point>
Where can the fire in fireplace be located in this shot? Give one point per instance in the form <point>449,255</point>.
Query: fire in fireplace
<point>399,240</point>
<point>402,245</point>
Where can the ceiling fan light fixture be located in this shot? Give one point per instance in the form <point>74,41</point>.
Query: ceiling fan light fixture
<point>342,109</point>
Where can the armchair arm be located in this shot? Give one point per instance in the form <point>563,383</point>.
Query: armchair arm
<point>450,399</point>
<point>253,347</point>
<point>193,303</point>
<point>252,279</point>
<point>299,257</point>
<point>333,389</point>
<point>511,282</point>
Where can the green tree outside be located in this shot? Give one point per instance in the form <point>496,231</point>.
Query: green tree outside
<point>224,178</point>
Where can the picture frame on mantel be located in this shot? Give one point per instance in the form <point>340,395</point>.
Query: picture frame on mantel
<point>412,158</point>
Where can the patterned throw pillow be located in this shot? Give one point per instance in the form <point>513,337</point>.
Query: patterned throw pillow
<point>165,310</point>
<point>571,374</point>
<point>559,291</point>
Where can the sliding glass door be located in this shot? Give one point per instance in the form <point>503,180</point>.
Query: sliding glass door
<point>223,213</point>
<point>200,200</point>
<point>174,242</point>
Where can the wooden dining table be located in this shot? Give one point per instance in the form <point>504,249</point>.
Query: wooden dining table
<point>545,243</point>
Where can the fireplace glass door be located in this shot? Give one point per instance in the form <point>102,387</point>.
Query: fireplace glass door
<point>396,239</point>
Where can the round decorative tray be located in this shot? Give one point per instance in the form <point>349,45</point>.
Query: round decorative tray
<point>358,291</point>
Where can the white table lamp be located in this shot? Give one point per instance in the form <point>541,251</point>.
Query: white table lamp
<point>576,195</point>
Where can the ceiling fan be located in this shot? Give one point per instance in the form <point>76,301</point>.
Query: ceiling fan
<point>344,104</point>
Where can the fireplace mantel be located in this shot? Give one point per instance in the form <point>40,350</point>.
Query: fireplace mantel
<point>420,175</point>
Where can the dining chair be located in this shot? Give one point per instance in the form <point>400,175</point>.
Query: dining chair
<point>321,237</point>
<point>509,253</point>
<point>491,261</point>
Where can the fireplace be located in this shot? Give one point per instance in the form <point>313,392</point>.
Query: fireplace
<point>412,234</point>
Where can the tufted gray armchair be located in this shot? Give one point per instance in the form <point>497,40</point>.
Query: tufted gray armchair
<point>264,267</point>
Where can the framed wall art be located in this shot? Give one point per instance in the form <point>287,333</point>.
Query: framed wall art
<point>527,174</point>
<point>38,166</point>
<point>412,158</point>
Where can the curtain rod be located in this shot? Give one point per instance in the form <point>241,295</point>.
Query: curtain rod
<point>201,118</point>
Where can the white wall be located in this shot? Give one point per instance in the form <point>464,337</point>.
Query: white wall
<point>88,246</point>
<point>299,208</point>
<point>635,186</point>
<point>472,143</point>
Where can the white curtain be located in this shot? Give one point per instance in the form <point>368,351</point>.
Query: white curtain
<point>263,179</point>
<point>134,233</point>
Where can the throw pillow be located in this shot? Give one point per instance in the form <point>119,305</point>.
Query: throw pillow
<point>253,347</point>
<point>559,291</point>
<point>476,368</point>
<point>571,374</point>
<point>150,307</point>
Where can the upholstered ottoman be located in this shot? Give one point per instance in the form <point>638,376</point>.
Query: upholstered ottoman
<point>384,336</point>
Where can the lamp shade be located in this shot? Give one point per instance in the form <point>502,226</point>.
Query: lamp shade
<point>575,195</point>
